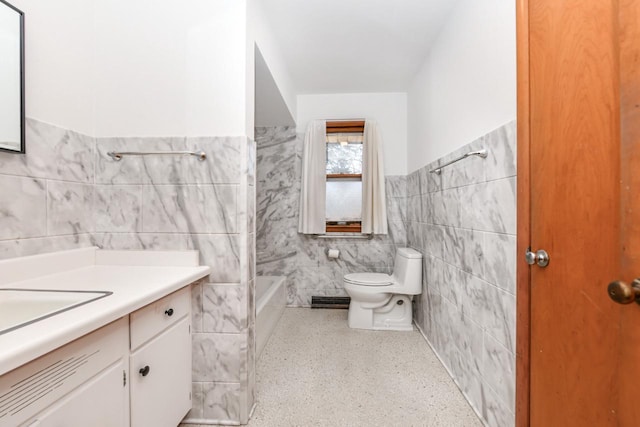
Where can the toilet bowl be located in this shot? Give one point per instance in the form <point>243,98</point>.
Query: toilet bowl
<point>382,301</point>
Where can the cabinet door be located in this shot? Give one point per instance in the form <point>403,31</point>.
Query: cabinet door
<point>101,401</point>
<point>161,378</point>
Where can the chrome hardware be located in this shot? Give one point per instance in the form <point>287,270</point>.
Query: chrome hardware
<point>480,153</point>
<point>117,156</point>
<point>540,257</point>
<point>622,293</point>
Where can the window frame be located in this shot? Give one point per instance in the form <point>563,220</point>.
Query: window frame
<point>344,126</point>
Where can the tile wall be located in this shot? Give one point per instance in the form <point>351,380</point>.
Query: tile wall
<point>281,251</point>
<point>67,193</point>
<point>47,194</point>
<point>464,223</point>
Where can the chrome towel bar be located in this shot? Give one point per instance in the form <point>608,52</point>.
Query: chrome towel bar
<point>480,153</point>
<point>117,155</point>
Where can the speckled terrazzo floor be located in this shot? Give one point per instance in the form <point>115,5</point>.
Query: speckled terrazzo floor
<point>315,371</point>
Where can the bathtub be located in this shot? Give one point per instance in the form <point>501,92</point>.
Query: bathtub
<point>271,298</point>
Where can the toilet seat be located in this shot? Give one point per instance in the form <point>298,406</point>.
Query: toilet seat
<point>368,279</point>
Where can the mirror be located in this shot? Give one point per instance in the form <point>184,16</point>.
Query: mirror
<point>12,132</point>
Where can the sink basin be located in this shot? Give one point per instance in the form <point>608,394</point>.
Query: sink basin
<point>21,307</point>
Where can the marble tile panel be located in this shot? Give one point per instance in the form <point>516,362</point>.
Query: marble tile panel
<point>302,297</point>
<point>494,412</point>
<point>190,208</point>
<point>446,207</point>
<point>397,233</point>
<point>196,306</point>
<point>53,153</point>
<point>251,209</point>
<point>469,381</point>
<point>430,182</point>
<point>354,255</point>
<point>427,202</point>
<point>69,208</point>
<point>251,161</point>
<point>397,208</point>
<point>23,207</point>
<point>197,402</point>
<point>433,238</point>
<point>500,316</point>
<point>414,208</point>
<point>490,206</point>
<point>500,261</point>
<point>219,251</point>
<point>413,184</point>
<point>118,208</point>
<point>498,371</point>
<point>222,165</point>
<point>224,308</point>
<point>395,185</point>
<point>501,144</point>
<point>221,402</point>
<point>40,245</point>
<point>468,171</point>
<point>216,357</point>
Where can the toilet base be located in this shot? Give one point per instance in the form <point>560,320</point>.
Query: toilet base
<point>395,315</point>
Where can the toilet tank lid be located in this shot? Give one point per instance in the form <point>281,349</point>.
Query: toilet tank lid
<point>409,253</point>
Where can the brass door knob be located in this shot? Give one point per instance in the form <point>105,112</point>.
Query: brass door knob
<point>623,293</point>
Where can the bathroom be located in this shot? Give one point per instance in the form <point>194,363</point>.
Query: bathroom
<point>444,84</point>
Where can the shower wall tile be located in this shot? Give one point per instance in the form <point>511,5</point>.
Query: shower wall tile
<point>464,223</point>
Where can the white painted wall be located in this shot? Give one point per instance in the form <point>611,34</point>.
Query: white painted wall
<point>168,68</point>
<point>467,84</point>
<point>59,59</point>
<point>264,37</point>
<point>388,109</point>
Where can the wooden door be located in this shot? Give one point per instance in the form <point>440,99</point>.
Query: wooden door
<point>579,199</point>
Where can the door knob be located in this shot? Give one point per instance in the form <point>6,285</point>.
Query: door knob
<point>540,257</point>
<point>623,293</point>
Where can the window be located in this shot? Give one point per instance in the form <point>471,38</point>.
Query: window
<point>344,176</point>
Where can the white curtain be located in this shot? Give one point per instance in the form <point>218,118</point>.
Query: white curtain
<point>312,219</point>
<point>374,210</point>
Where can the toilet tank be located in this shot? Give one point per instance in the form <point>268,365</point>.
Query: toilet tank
<point>407,271</point>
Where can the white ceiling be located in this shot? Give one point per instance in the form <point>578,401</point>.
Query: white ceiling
<point>341,46</point>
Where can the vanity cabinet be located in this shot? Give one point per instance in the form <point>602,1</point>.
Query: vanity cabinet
<point>160,362</point>
<point>135,371</point>
<point>79,384</point>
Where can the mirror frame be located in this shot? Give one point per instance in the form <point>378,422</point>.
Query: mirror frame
<point>23,139</point>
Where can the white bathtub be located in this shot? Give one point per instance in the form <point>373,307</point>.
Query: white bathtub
<point>271,298</point>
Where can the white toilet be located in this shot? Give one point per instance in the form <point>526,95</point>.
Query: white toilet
<point>381,301</point>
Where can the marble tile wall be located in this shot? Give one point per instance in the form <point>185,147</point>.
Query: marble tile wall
<point>67,193</point>
<point>281,251</point>
<point>183,203</point>
<point>46,202</point>
<point>464,223</point>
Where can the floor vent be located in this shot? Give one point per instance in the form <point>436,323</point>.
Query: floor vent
<point>330,302</point>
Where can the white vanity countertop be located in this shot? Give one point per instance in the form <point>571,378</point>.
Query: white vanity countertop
<point>136,278</point>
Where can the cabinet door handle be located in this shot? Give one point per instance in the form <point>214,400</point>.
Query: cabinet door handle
<point>144,371</point>
<point>169,312</point>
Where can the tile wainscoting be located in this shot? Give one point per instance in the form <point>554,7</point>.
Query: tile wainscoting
<point>67,193</point>
<point>281,251</point>
<point>464,223</point>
